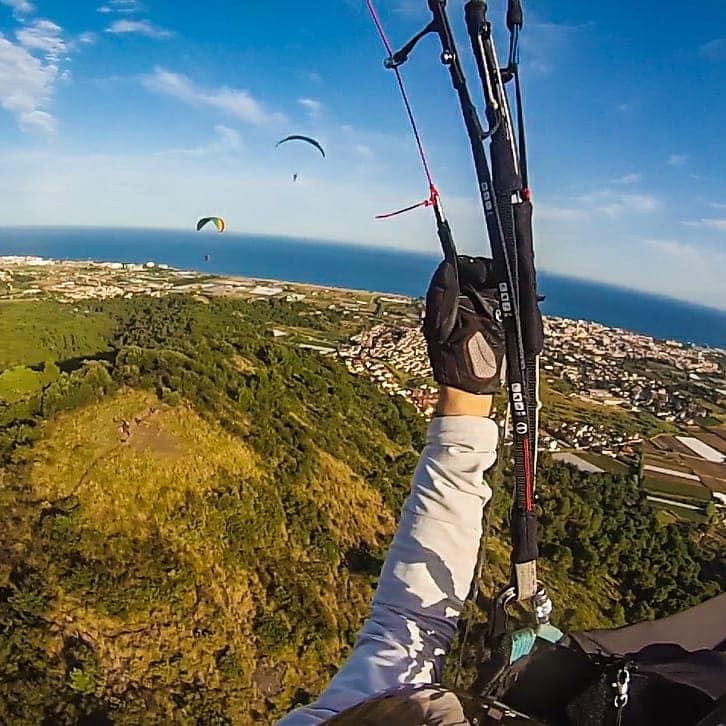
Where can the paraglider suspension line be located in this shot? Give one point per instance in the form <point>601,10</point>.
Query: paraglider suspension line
<point>433,200</point>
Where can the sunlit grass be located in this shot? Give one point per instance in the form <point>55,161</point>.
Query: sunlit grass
<point>31,332</point>
<point>132,461</point>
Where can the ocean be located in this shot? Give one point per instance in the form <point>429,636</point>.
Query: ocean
<point>358,267</point>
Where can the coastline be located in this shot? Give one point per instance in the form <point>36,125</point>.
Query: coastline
<point>396,274</point>
<point>32,260</point>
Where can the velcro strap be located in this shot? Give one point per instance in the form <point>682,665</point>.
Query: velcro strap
<point>526,577</point>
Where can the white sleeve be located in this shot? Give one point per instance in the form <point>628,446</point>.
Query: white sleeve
<point>426,575</point>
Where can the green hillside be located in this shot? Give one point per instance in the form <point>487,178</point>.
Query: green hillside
<point>195,515</point>
<point>31,332</point>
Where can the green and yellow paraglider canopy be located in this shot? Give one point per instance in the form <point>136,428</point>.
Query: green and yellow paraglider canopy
<point>217,221</point>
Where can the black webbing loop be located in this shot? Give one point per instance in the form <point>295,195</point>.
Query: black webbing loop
<point>401,56</point>
<point>450,255</point>
<point>515,17</point>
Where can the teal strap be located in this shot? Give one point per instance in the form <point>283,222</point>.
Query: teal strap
<point>522,644</point>
<point>523,640</point>
<point>549,633</point>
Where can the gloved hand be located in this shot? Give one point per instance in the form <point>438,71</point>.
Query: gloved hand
<point>463,327</point>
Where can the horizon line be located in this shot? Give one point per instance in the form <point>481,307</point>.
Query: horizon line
<point>365,246</point>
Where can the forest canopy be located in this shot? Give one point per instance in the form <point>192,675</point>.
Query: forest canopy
<point>195,516</point>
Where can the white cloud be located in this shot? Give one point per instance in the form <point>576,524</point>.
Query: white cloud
<point>640,202</point>
<point>671,247</point>
<point>88,38</point>
<point>140,27</point>
<point>312,106</point>
<point>714,50</point>
<point>226,140</point>
<point>31,67</point>
<point>20,7</point>
<point>314,77</point>
<point>37,121</point>
<point>627,179</point>
<point>717,205</point>
<point>44,36</point>
<point>682,268</point>
<point>411,9</point>
<point>555,213</point>
<point>677,159</point>
<point>546,43</point>
<point>238,103</point>
<point>616,205</point>
<point>121,6</point>
<point>718,224</point>
<point>26,86</point>
<point>363,151</point>
<point>587,207</point>
<point>702,266</point>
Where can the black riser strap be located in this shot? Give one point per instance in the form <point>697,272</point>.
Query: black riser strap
<point>524,532</point>
<point>532,331</point>
<point>506,179</point>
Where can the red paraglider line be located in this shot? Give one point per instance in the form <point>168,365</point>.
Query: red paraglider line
<point>433,199</point>
<point>527,476</point>
<point>425,203</point>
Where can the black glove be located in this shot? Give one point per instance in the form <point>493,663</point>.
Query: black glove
<point>463,326</point>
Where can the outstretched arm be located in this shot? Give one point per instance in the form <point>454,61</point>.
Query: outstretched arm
<point>429,566</point>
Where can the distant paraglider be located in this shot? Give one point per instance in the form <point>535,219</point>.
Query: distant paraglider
<point>306,139</point>
<point>217,221</point>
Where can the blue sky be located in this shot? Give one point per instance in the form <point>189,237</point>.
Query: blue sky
<point>121,112</point>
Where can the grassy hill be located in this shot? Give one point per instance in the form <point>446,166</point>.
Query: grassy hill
<point>195,525</point>
<point>168,560</point>
<point>195,516</point>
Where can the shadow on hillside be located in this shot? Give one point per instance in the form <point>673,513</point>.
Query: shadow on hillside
<point>73,364</point>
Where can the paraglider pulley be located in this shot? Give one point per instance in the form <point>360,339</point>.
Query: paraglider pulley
<point>499,614</point>
<point>542,605</point>
<point>622,687</point>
